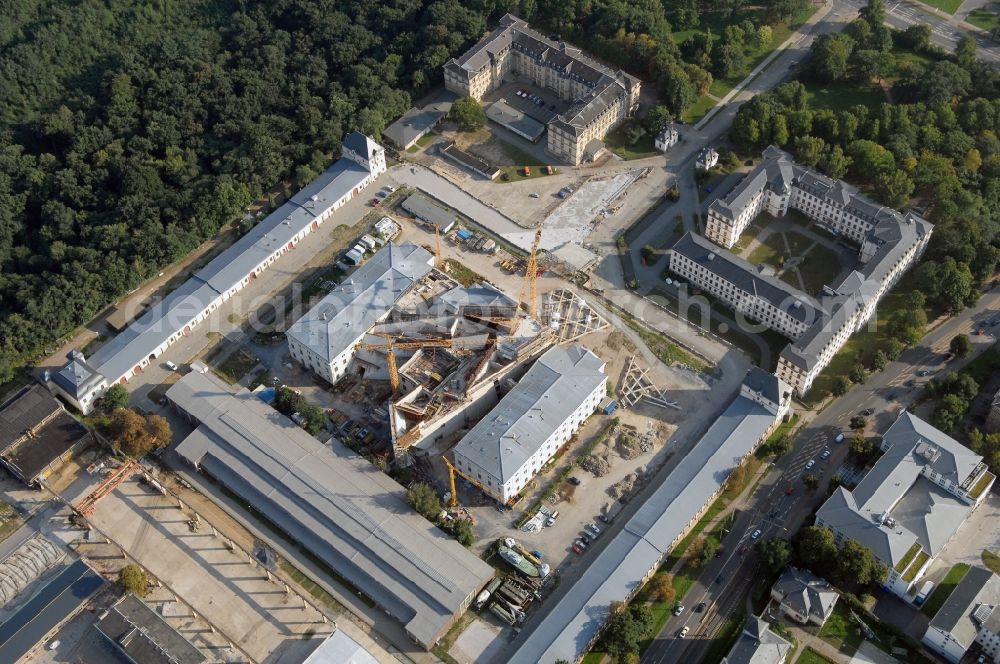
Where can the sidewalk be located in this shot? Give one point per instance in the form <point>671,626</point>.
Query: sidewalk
<point>799,34</point>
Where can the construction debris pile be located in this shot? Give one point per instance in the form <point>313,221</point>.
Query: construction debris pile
<point>624,486</point>
<point>631,445</point>
<point>598,464</point>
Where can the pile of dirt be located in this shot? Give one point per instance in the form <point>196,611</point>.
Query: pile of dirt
<point>598,464</point>
<point>624,486</point>
<point>631,445</point>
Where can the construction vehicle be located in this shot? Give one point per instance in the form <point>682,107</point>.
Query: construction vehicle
<point>452,471</point>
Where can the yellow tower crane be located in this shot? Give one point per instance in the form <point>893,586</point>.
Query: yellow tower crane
<point>452,471</point>
<point>529,289</point>
<point>392,346</point>
<point>438,259</point>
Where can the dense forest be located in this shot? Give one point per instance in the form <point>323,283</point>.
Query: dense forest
<point>132,131</point>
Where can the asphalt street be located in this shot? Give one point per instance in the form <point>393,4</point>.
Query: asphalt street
<point>782,503</point>
<point>945,30</point>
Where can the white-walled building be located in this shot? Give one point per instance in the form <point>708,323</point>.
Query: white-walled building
<point>890,242</point>
<point>707,159</point>
<point>912,502</point>
<point>602,98</point>
<point>804,597</point>
<point>324,340</point>
<point>81,381</point>
<point>618,571</point>
<point>508,446</point>
<point>667,138</point>
<point>969,616</point>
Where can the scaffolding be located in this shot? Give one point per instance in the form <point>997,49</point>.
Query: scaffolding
<point>636,386</point>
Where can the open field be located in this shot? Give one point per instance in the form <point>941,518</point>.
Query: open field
<point>617,142</point>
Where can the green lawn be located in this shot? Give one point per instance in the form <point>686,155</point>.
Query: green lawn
<point>698,109</point>
<point>749,235</point>
<point>944,589</point>
<point>842,96</point>
<point>810,656</point>
<point>724,640</point>
<point>461,273</point>
<point>423,142</point>
<point>841,632</point>
<point>820,266</point>
<point>616,142</point>
<point>901,60</point>
<point>987,18</point>
<point>860,347</point>
<point>991,561</point>
<point>521,158</point>
<point>771,251</point>
<point>948,6</point>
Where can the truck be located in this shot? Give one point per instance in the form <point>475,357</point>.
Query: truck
<point>925,590</point>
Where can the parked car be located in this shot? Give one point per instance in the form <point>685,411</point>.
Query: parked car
<point>575,481</point>
<point>679,609</point>
<point>825,455</point>
<point>868,412</point>
<point>580,543</point>
<point>839,438</point>
<point>551,521</point>
<point>170,365</point>
<point>790,490</point>
<point>924,372</point>
<point>577,549</point>
<point>755,534</point>
<point>812,462</point>
<point>586,537</point>
<point>592,527</point>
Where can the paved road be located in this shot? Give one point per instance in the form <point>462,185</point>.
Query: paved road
<point>945,30</point>
<point>779,514</point>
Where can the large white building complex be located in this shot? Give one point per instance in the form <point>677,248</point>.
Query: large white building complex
<point>325,339</point>
<point>348,515</point>
<point>508,446</point>
<point>620,569</point>
<point>912,502</point>
<point>82,380</point>
<point>890,242</point>
<point>601,97</point>
<point>968,619</point>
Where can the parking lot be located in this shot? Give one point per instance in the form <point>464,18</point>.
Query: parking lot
<point>535,102</point>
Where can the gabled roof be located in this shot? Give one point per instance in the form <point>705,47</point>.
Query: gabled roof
<point>806,593</point>
<point>361,300</point>
<point>77,377</point>
<point>758,645</point>
<point>555,386</point>
<point>766,384</point>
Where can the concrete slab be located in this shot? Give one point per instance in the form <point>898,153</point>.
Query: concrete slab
<point>480,641</point>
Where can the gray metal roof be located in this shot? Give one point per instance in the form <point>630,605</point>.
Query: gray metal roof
<point>920,510</point>
<point>416,122</point>
<point>517,121</point>
<point>978,588</point>
<point>806,593</point>
<point>758,645</point>
<point>360,143</point>
<point>361,299</point>
<point>338,506</point>
<point>555,386</point>
<point>430,212</point>
<point>144,636</point>
<point>339,648</point>
<point>227,270</point>
<point>565,631</point>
